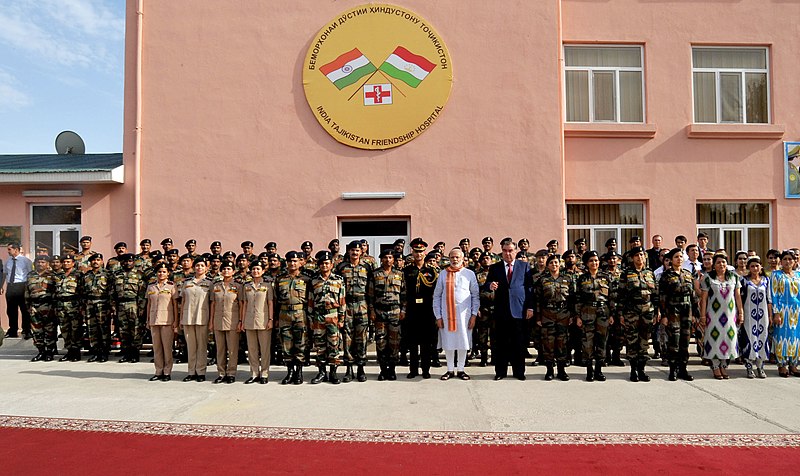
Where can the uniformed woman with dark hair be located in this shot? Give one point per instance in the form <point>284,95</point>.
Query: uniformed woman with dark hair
<point>257,299</point>
<point>162,320</point>
<point>226,315</point>
<point>594,305</point>
<point>553,295</point>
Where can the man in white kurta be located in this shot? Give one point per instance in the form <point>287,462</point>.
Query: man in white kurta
<point>456,300</point>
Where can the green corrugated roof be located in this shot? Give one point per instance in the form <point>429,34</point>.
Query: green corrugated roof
<point>54,163</point>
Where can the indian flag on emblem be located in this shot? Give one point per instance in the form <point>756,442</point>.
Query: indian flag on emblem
<point>407,67</point>
<point>348,68</point>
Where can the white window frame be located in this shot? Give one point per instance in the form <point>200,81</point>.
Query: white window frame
<point>744,228</point>
<point>742,84</point>
<point>606,69</point>
<point>618,227</point>
<point>373,241</point>
<point>56,229</point>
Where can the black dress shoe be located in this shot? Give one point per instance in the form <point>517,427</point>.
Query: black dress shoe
<point>230,379</point>
<point>219,379</point>
<point>521,377</point>
<point>38,357</point>
<point>27,335</point>
<point>11,334</point>
<point>251,380</point>
<point>66,358</point>
<point>102,358</point>
<point>426,374</point>
<point>263,380</point>
<point>93,358</point>
<point>189,378</point>
<point>200,378</point>
<point>166,378</point>
<point>154,378</point>
<point>48,357</point>
<point>499,377</point>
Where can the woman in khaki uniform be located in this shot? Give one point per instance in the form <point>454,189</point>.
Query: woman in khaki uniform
<point>226,317</point>
<point>258,296</point>
<point>194,319</point>
<point>162,320</point>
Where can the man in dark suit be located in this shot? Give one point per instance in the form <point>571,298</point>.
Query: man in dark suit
<point>509,279</point>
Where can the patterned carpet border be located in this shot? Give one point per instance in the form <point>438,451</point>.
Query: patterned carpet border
<point>401,436</point>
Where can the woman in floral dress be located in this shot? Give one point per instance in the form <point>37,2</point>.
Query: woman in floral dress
<point>757,300</point>
<point>721,304</point>
<point>786,308</point>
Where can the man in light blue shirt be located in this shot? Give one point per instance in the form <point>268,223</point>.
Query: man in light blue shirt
<point>15,273</point>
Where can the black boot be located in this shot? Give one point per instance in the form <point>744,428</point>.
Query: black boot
<point>634,375</point>
<point>298,374</point>
<point>598,372</point>
<point>683,374</point>
<point>549,375</point>
<point>332,377</point>
<point>348,375</point>
<point>134,358</point>
<point>643,377</point>
<point>672,377</point>
<point>615,359</point>
<point>484,358</point>
<point>75,355</point>
<point>360,375</point>
<point>384,373</point>
<point>413,371</point>
<point>322,375</point>
<point>403,359</point>
<point>562,374</point>
<point>589,373</point>
<point>289,375</point>
<point>392,375</point>
<point>39,356</point>
<point>48,355</point>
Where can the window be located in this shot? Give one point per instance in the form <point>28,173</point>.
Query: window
<point>380,234</point>
<point>730,85</point>
<point>600,221</point>
<point>736,226</point>
<point>604,83</point>
<point>55,228</point>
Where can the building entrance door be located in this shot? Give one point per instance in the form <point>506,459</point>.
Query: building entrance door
<point>380,234</point>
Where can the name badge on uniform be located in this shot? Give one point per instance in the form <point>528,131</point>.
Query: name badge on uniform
<point>419,300</point>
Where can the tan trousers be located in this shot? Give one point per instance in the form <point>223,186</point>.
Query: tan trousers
<point>258,344</point>
<point>197,348</point>
<point>163,337</point>
<point>227,352</point>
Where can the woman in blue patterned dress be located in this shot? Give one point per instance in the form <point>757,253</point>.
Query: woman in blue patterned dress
<point>786,308</point>
<point>757,301</point>
<point>721,304</point>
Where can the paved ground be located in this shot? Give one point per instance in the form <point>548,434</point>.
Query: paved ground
<point>121,392</point>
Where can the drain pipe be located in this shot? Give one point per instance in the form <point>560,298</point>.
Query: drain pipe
<point>137,159</point>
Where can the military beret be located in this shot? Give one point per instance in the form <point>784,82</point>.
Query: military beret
<point>671,253</point>
<point>523,240</point>
<point>229,253</point>
<point>579,241</point>
<point>354,244</point>
<point>484,255</point>
<point>166,241</point>
<point>475,250</point>
<point>568,253</point>
<point>242,256</point>
<point>307,244</point>
<point>613,254</point>
<point>431,255</point>
<point>207,256</point>
<point>610,241</point>
<point>418,244</point>
<point>552,257</point>
<point>634,239</point>
<point>173,251</point>
<point>552,242</point>
<point>293,255</point>
<point>94,256</point>
<point>86,238</point>
<point>521,254</point>
<point>324,255</point>
<point>271,244</point>
<point>214,257</point>
<point>589,255</point>
<point>637,250</point>
<point>335,240</point>
<point>401,241</point>
<point>386,252</point>
<point>159,266</point>
<point>185,256</point>
<point>363,241</point>
<point>121,244</point>
<point>156,255</point>
<point>438,244</point>
<point>302,255</point>
<point>216,243</point>
<point>246,243</point>
<point>487,239</point>
<point>42,258</point>
<point>264,254</point>
<point>191,242</point>
<point>200,259</point>
<point>542,252</point>
<point>464,241</point>
<point>126,257</point>
<point>226,264</point>
<point>397,255</point>
<point>145,241</point>
<point>56,257</point>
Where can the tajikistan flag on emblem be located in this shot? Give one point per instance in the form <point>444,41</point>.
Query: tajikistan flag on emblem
<point>407,67</point>
<point>348,68</point>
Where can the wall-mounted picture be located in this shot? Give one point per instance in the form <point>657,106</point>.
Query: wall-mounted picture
<point>10,234</point>
<point>791,157</point>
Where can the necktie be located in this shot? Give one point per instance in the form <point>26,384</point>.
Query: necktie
<point>13,270</point>
<point>510,271</point>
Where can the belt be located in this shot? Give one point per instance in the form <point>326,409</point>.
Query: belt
<point>98,300</point>
<point>126,299</point>
<point>292,307</point>
<point>557,306</point>
<point>596,304</point>
<point>41,300</point>
<point>68,298</point>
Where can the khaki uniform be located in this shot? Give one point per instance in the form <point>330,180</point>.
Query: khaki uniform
<point>194,300</point>
<point>258,300</point>
<point>162,320</point>
<point>226,299</point>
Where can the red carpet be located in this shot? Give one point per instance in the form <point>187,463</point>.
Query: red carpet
<point>44,446</point>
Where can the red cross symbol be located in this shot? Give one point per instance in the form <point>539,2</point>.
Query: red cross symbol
<point>378,94</point>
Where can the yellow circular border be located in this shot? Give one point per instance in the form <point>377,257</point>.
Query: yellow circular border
<point>376,31</point>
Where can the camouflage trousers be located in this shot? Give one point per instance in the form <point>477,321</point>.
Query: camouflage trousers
<point>638,328</point>
<point>292,329</point>
<point>354,334</point>
<point>595,335</point>
<point>679,333</point>
<point>616,335</point>
<point>554,336</point>
<point>99,326</point>
<point>387,336</point>
<point>325,330</point>
<point>71,323</point>
<point>43,325</point>
<point>483,329</point>
<point>131,325</point>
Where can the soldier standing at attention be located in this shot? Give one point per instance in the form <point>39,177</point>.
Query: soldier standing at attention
<point>366,257</point>
<point>96,285</point>
<point>143,260</point>
<point>638,295</point>
<point>574,334</point>
<point>420,323</point>
<point>173,260</point>
<point>162,320</point>
<point>226,316</point>
<point>387,300</point>
<point>488,243</point>
<point>485,321</point>
<point>616,329</point>
<point>82,259</point>
<point>129,298</point>
<point>39,297</point>
<point>191,248</point>
<point>68,307</point>
<point>215,247</point>
<point>357,276</point>
<point>194,310</point>
<point>553,301</point>
<point>594,302</point>
<point>113,265</point>
<point>258,299</point>
<point>247,250</point>
<point>679,308</point>
<point>293,290</point>
<point>333,247</point>
<point>326,311</point>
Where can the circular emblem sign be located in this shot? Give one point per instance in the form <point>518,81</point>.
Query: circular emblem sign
<point>377,76</point>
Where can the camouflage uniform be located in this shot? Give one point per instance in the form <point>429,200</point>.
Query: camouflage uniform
<point>96,293</point>
<point>292,294</point>
<point>553,304</point>
<point>39,297</point>
<point>326,312</point>
<point>594,305</point>
<point>678,302</point>
<point>387,301</point>
<point>68,308</point>
<point>484,323</point>
<point>129,294</point>
<point>113,265</point>
<point>574,333</point>
<point>354,333</point>
<point>638,296</point>
<point>616,331</point>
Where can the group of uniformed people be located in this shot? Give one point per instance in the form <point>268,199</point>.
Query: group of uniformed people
<point>582,302</point>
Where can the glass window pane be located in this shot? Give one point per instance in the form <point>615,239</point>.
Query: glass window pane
<point>756,84</point>
<point>604,101</point>
<point>69,241</point>
<point>43,240</point>
<point>375,228</point>
<point>601,235</point>
<point>705,97</point>
<point>627,234</point>
<point>730,85</point>
<point>56,215</point>
<point>577,92</point>
<point>598,56</point>
<point>574,234</point>
<point>605,214</point>
<point>733,243</point>
<point>733,213</point>
<point>713,237</point>
<point>630,91</point>
<point>740,58</point>
<point>758,239</point>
